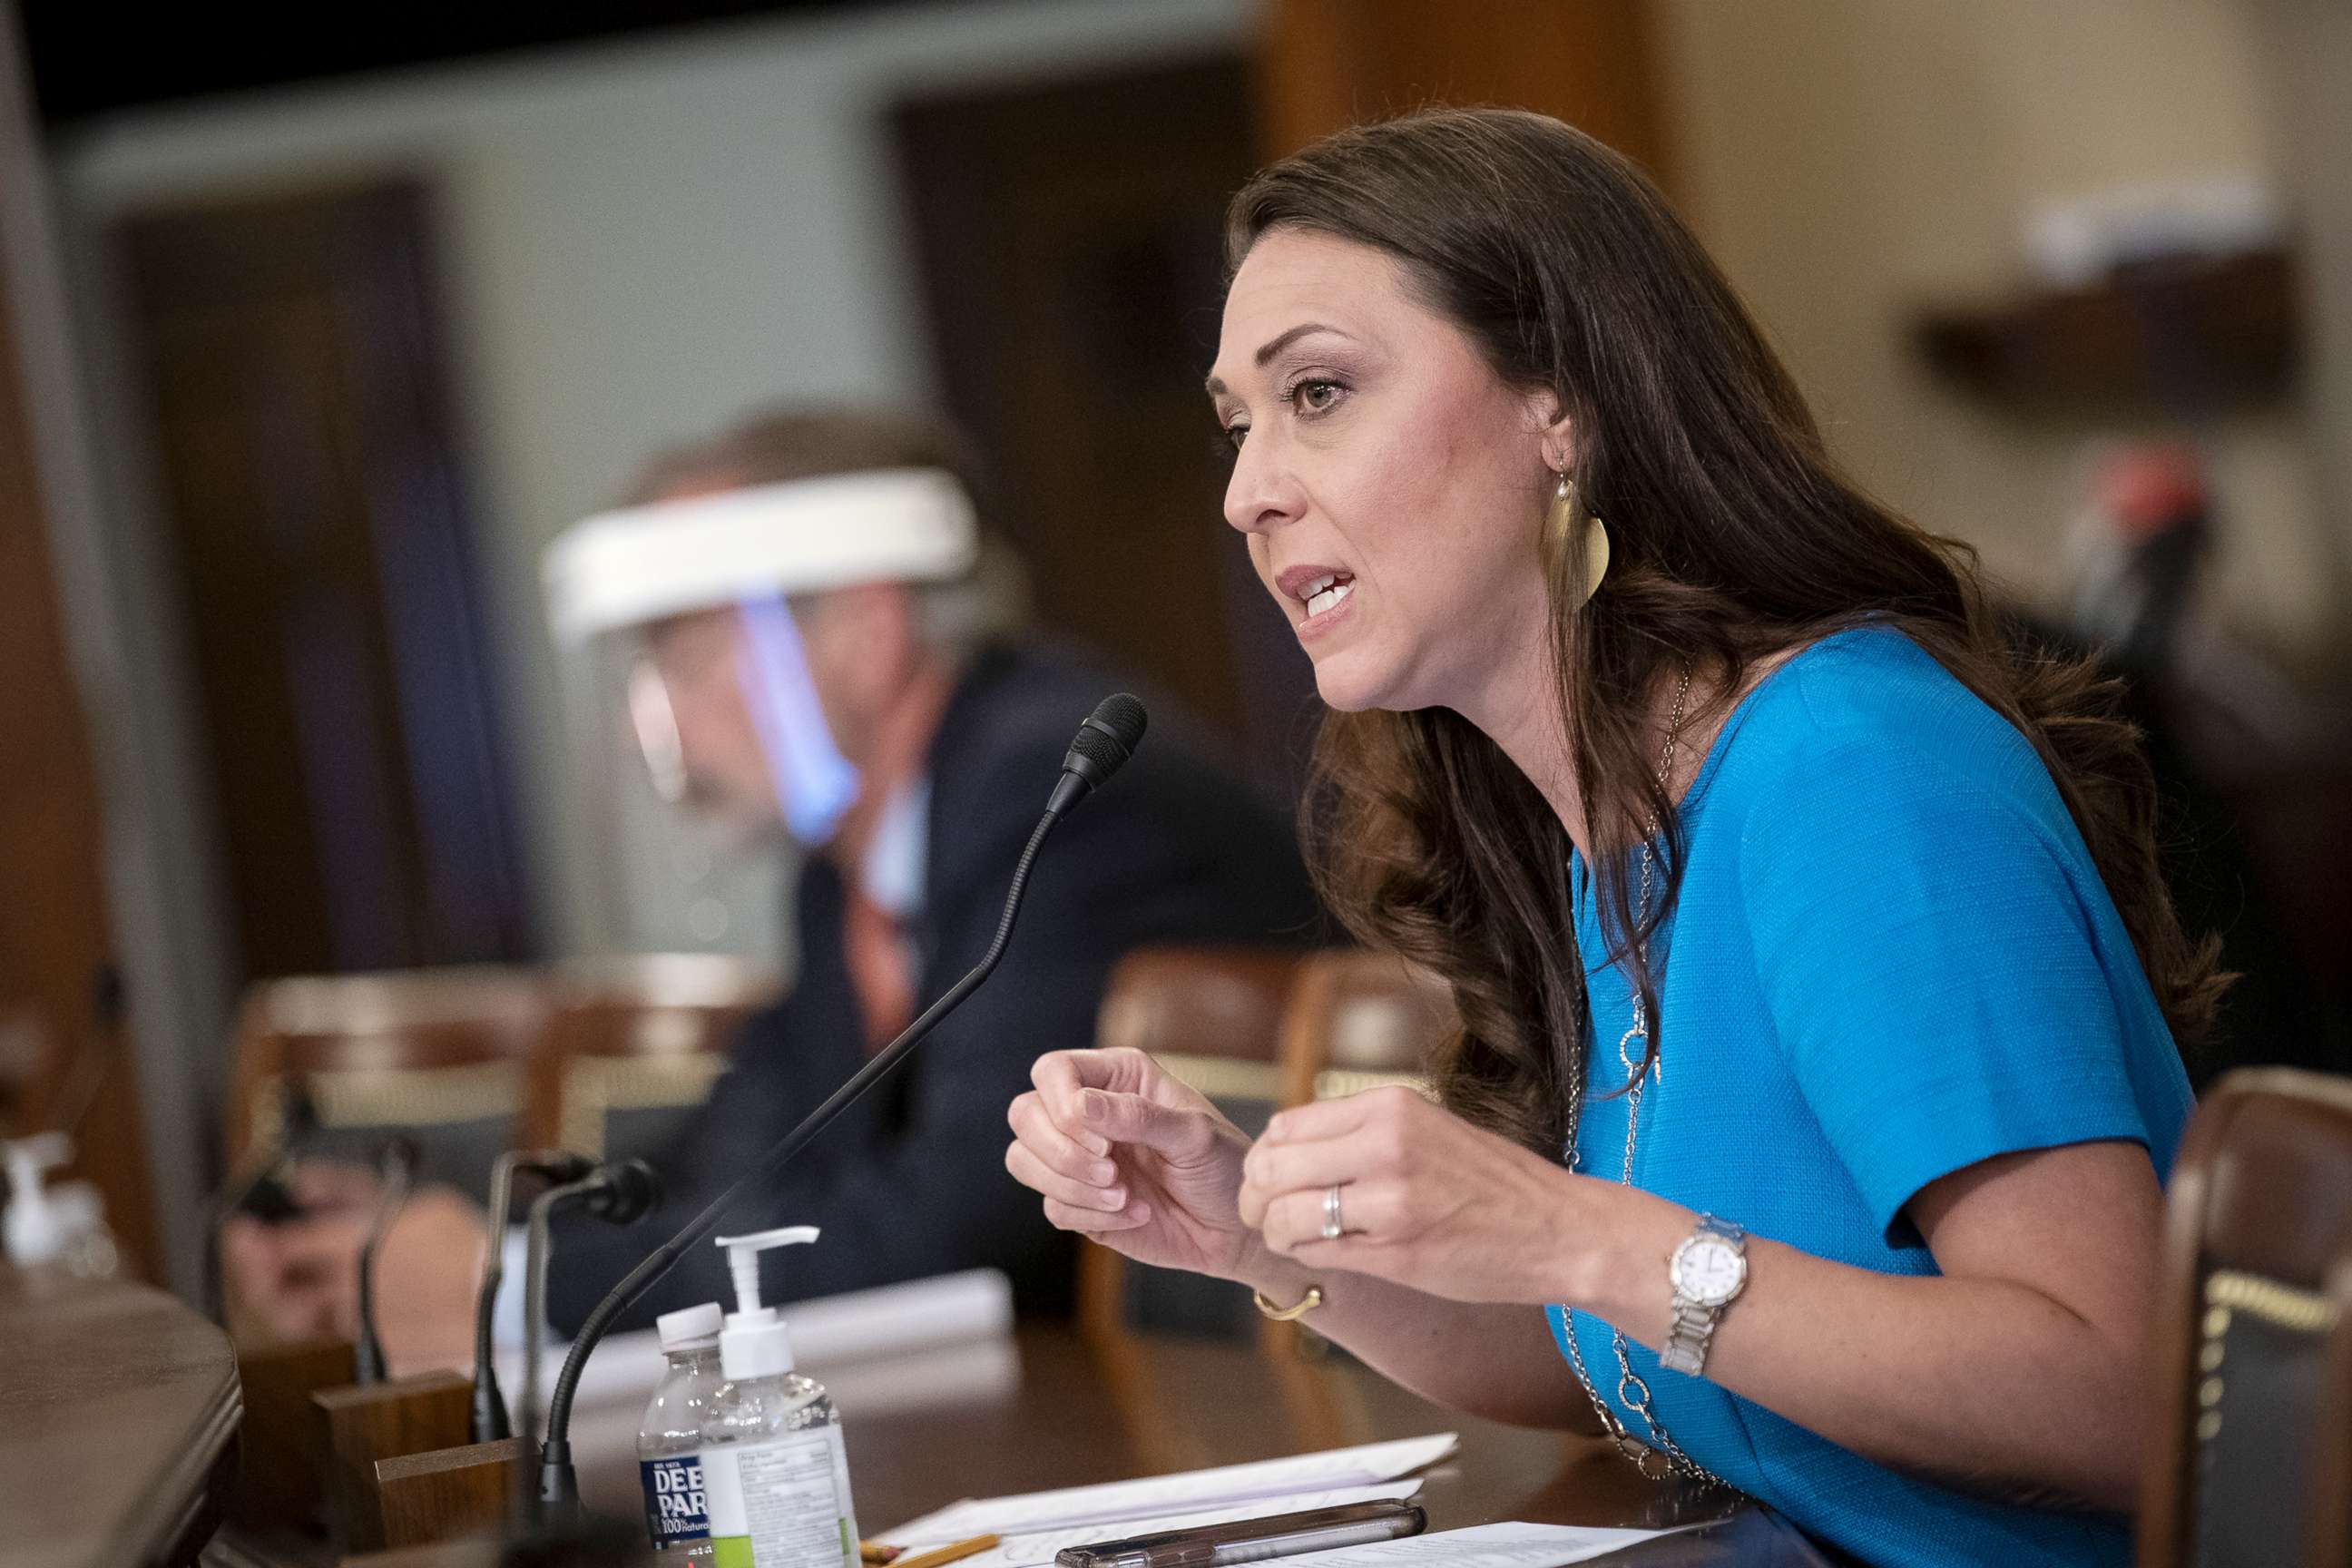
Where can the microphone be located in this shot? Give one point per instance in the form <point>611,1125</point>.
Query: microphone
<point>250,1181</point>
<point>1104,743</point>
<point>489,1418</point>
<point>396,1166</point>
<point>621,1194</point>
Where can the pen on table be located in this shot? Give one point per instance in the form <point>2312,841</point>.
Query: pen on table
<point>1252,1540</point>
<point>933,1559</point>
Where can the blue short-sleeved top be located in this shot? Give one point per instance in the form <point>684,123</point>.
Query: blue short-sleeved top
<point>1892,957</point>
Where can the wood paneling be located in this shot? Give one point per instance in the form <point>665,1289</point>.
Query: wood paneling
<point>1328,64</point>
<point>318,534</point>
<point>1070,233</point>
<point>55,938</point>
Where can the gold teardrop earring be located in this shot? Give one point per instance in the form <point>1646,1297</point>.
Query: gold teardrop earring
<point>1559,533</point>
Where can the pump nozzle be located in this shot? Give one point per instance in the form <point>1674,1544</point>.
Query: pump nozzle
<point>42,1220</point>
<point>743,1260</point>
<point>755,1344</point>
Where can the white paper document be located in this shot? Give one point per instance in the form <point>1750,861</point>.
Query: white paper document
<point>1037,1549</point>
<point>1484,1546</point>
<point>1157,1497</point>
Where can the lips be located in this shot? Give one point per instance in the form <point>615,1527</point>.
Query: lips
<point>1321,589</point>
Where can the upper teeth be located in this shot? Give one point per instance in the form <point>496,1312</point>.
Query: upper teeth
<point>1326,592</point>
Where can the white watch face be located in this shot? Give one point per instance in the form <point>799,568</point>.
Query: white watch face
<point>1709,1270</point>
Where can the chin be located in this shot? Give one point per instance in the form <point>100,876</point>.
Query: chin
<point>1348,684</point>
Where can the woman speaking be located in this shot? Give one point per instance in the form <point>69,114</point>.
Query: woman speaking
<point>1818,993</point>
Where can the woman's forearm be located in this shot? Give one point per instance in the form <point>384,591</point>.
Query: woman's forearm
<point>1985,1384</point>
<point>1494,1360</point>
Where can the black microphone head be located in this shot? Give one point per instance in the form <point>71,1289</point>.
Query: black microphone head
<point>627,1192</point>
<point>1104,743</point>
<point>298,1113</point>
<point>1122,718</point>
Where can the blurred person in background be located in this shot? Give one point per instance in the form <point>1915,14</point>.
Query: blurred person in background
<point>830,651</point>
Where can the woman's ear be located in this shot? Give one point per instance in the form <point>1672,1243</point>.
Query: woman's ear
<point>1553,429</point>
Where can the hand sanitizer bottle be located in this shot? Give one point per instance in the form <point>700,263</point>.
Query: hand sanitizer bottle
<point>669,1444</point>
<point>774,1475</point>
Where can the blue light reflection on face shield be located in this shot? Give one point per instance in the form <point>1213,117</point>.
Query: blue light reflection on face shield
<point>814,783</point>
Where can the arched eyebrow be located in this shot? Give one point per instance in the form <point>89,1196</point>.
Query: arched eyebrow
<point>1272,347</point>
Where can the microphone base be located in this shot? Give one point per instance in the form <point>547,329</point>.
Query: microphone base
<point>558,1497</point>
<point>581,1541</point>
<point>490,1415</point>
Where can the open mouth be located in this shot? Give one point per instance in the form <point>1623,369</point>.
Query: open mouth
<point>1327,593</point>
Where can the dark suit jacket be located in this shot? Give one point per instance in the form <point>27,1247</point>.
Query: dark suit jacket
<point>911,1180</point>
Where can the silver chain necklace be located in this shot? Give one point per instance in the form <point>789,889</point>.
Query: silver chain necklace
<point>1631,1390</point>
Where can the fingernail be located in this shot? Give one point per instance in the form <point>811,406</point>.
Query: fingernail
<point>1091,1107</point>
<point>1114,1198</point>
<point>1102,1171</point>
<point>1097,1144</point>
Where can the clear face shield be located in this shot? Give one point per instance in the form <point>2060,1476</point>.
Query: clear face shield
<point>703,761</point>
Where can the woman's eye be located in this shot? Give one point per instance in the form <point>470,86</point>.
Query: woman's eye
<point>1235,435</point>
<point>1314,396</point>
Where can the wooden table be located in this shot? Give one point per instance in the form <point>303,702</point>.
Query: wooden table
<point>118,1410</point>
<point>1108,1411</point>
<point>1082,1411</point>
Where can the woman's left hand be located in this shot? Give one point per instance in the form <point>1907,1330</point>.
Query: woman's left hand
<point>1425,1199</point>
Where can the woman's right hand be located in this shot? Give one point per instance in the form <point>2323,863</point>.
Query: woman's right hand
<point>1124,1153</point>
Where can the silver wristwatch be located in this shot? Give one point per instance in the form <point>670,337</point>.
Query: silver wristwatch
<point>1708,1270</point>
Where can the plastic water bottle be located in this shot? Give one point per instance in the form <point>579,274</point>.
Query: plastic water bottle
<point>773,1468</point>
<point>669,1444</point>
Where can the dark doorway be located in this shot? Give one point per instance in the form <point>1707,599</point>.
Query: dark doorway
<point>318,531</point>
<point>1069,233</point>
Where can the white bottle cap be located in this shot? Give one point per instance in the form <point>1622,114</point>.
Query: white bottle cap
<point>689,1328</point>
<point>755,1342</point>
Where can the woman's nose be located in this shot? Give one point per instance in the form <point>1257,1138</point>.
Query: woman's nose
<point>1260,494</point>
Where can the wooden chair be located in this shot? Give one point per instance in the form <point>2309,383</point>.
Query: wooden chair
<point>2250,1460</point>
<point>1212,1017</point>
<point>1358,1020</point>
<point>633,1047</point>
<point>2331,1494</point>
<point>437,1054</point>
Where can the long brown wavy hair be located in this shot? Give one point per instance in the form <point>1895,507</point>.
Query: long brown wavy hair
<point>1733,537</point>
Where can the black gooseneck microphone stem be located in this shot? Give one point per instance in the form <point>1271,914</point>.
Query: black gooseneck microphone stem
<point>559,1485</point>
<point>367,1356</point>
<point>489,1419</point>
<point>534,1282</point>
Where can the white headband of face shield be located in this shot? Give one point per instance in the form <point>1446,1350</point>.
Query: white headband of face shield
<point>646,564</point>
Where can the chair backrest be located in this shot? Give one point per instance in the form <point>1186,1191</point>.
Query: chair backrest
<point>2331,1493</point>
<point>438,1054</point>
<point>1211,1018</point>
<point>1357,1020</point>
<point>633,1047</point>
<point>2247,1461</point>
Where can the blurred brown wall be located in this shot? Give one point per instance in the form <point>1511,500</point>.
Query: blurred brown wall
<point>1326,64</point>
<point>54,937</point>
